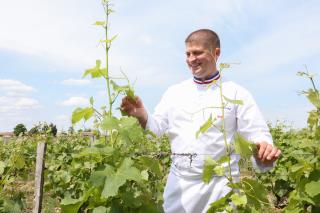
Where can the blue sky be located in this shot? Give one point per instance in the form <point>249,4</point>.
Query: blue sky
<point>45,46</point>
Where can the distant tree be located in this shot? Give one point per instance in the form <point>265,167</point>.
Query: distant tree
<point>44,128</point>
<point>53,129</point>
<point>34,130</point>
<point>20,129</point>
<point>71,130</point>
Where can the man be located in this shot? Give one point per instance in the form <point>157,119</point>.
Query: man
<point>184,108</point>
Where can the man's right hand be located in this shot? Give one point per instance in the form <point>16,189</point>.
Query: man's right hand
<point>135,108</point>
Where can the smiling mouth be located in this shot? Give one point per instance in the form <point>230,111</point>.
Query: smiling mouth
<point>195,66</point>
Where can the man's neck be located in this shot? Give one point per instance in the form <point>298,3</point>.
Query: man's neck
<point>208,79</point>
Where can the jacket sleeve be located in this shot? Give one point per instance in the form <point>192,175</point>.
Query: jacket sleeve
<point>158,122</point>
<point>251,125</point>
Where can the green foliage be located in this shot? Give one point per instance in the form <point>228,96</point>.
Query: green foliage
<point>81,113</point>
<point>43,128</point>
<point>96,71</point>
<point>296,177</point>
<point>19,129</point>
<point>206,126</point>
<point>243,147</point>
<point>211,167</point>
<point>236,102</point>
<point>127,90</point>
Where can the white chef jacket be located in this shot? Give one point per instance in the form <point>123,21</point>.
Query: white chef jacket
<point>182,110</point>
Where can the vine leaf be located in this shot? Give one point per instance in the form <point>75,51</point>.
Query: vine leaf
<point>224,66</point>
<point>70,205</point>
<point>109,41</point>
<point>114,181</point>
<point>210,168</point>
<point>128,90</point>
<point>100,209</point>
<point>152,164</point>
<point>256,193</point>
<point>243,147</point>
<point>110,123</point>
<point>221,204</point>
<point>96,71</point>
<point>239,200</point>
<point>204,127</point>
<point>314,97</point>
<point>81,113</point>
<point>100,23</point>
<point>2,167</point>
<point>236,102</point>
<point>313,188</point>
<point>313,119</point>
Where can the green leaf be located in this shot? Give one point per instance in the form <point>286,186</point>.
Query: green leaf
<point>81,113</point>
<point>110,11</point>
<point>313,188</point>
<point>127,89</point>
<point>2,167</point>
<point>19,162</point>
<point>95,151</point>
<point>210,168</point>
<point>152,164</point>
<point>125,172</point>
<point>314,97</point>
<point>100,23</point>
<point>204,127</point>
<point>239,200</point>
<point>100,209</point>
<point>243,147</point>
<point>224,159</point>
<point>256,193</point>
<point>108,41</point>
<point>221,204</point>
<point>144,175</point>
<point>110,123</point>
<point>130,130</point>
<point>97,178</point>
<point>95,72</point>
<point>313,119</point>
<point>70,205</point>
<point>237,102</point>
<point>224,66</point>
<point>10,206</point>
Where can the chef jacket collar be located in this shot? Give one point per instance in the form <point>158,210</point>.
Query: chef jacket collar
<point>208,80</point>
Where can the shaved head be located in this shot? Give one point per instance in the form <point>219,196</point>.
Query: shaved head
<point>207,37</point>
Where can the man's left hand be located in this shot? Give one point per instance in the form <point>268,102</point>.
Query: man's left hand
<point>267,153</point>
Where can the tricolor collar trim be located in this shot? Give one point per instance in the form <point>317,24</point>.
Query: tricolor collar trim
<point>209,80</point>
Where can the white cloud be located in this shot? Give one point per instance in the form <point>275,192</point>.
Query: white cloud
<point>75,82</point>
<point>13,104</point>
<point>75,101</point>
<point>14,87</point>
<point>293,36</point>
<point>62,117</point>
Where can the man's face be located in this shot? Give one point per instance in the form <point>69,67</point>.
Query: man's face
<point>201,61</point>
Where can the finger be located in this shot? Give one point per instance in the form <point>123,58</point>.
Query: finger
<point>278,153</point>
<point>267,152</point>
<point>262,149</point>
<point>272,154</point>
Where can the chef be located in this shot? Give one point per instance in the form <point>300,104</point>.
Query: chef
<point>186,106</point>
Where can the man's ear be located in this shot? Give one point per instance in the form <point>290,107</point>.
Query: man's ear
<point>217,52</point>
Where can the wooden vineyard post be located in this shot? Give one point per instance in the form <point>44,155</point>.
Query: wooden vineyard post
<point>38,192</point>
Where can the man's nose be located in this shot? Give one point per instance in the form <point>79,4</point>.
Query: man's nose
<point>192,58</point>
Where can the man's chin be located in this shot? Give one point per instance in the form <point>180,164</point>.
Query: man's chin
<point>196,73</point>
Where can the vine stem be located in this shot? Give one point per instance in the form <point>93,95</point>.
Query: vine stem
<point>107,47</point>
<point>106,9</point>
<point>224,130</point>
